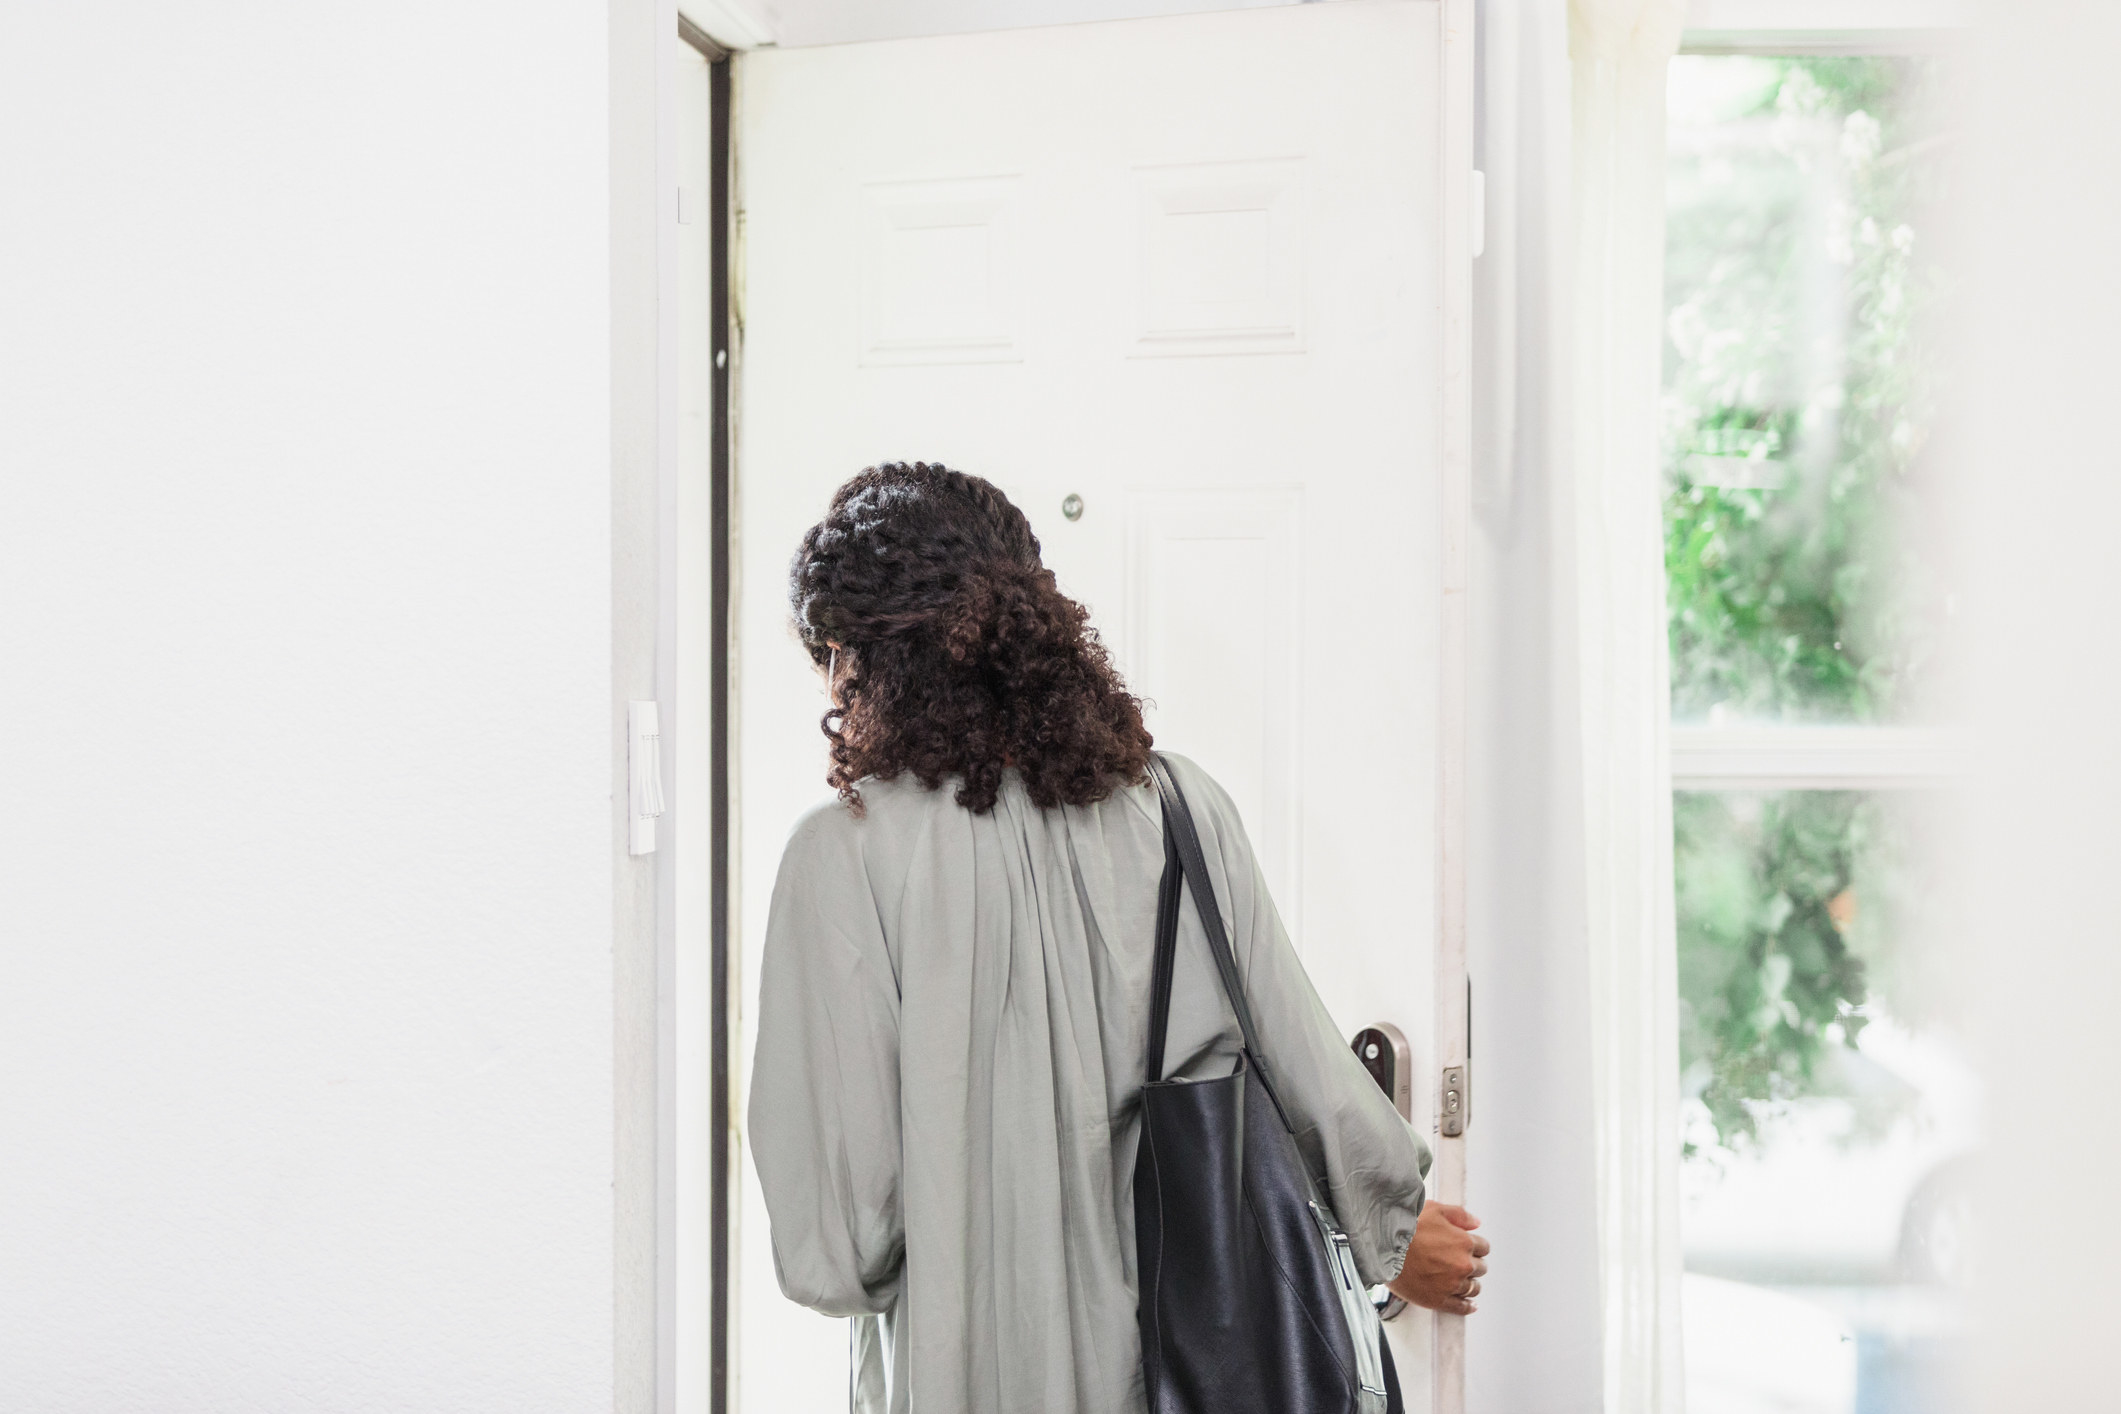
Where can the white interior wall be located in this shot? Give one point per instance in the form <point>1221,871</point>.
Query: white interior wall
<point>2040,482</point>
<point>308,897</point>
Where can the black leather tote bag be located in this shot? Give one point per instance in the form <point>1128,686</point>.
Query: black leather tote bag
<point>1250,1303</point>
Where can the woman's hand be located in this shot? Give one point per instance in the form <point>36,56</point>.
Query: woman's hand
<point>1445,1261</point>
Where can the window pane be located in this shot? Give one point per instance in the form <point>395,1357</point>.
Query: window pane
<point>1828,1109</point>
<point>1800,387</point>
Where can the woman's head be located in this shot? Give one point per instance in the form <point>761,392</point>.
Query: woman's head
<point>956,652</point>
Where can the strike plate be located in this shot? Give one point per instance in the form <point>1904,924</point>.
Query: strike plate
<point>1456,1105</point>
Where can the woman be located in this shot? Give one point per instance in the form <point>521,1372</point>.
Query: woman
<point>954,997</point>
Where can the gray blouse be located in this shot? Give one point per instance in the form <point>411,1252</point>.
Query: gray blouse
<point>953,1018</point>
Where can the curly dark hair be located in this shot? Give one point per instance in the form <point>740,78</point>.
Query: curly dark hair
<point>958,654</point>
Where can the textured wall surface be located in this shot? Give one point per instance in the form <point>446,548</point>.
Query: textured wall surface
<point>306,897</point>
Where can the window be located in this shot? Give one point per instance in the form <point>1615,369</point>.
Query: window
<point>1829,1113</point>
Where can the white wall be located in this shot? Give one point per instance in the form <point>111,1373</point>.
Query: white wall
<point>306,880</point>
<point>2043,503</point>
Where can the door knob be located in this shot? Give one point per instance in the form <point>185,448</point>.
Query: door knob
<point>1382,1049</point>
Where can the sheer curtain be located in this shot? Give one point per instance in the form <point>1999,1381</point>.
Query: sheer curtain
<point>1574,1160</point>
<point>1535,1346</point>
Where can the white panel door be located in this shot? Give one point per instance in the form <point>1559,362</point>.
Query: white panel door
<point>1191,272</point>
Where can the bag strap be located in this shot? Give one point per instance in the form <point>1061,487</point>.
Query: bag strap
<point>1183,839</point>
<point>1182,848</point>
<point>1168,893</point>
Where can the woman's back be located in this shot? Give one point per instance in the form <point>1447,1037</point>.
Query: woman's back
<point>953,1001</point>
<point>952,1042</point>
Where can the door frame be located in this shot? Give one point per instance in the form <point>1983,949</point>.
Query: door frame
<point>1462,216</point>
<point>693,725</point>
<point>1460,213</point>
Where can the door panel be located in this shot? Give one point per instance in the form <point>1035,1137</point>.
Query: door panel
<point>1189,271</point>
<point>1210,641</point>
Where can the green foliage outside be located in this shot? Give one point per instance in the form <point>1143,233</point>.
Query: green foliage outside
<point>1799,910</point>
<point>1799,390</point>
<point>1769,979</point>
<point>1797,289</point>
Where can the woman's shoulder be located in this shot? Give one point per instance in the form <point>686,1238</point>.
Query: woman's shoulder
<point>1204,794</point>
<point>856,862</point>
<point>833,826</point>
<point>1216,815</point>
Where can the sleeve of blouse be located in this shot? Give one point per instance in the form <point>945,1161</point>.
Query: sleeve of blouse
<point>1374,1164</point>
<point>824,1112</point>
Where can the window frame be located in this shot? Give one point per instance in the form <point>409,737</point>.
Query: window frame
<point>1817,27</point>
<point>1769,758</point>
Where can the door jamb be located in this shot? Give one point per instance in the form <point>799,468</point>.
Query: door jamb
<point>719,843</point>
<point>1458,215</point>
